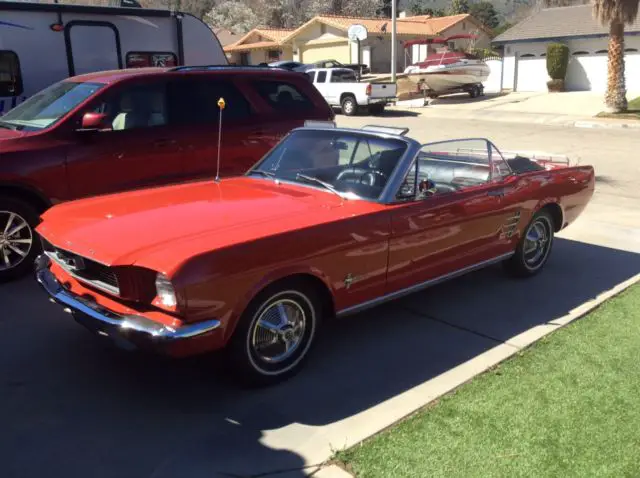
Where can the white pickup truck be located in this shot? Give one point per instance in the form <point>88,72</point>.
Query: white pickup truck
<point>340,88</point>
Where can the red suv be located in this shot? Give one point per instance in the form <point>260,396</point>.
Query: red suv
<point>111,131</point>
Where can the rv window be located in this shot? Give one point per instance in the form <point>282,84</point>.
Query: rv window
<point>141,59</point>
<point>195,101</point>
<point>10,78</point>
<point>283,96</point>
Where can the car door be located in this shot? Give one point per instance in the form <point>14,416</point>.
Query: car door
<point>325,87</point>
<point>195,116</point>
<point>137,149</point>
<point>454,226</point>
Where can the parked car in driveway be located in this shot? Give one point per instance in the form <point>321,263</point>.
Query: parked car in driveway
<point>112,131</point>
<point>341,88</point>
<point>330,222</point>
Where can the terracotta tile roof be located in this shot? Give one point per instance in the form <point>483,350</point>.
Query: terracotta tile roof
<point>416,25</point>
<point>276,35</point>
<point>261,45</point>
<point>560,22</point>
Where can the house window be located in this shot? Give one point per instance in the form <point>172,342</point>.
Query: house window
<point>244,58</point>
<point>273,55</point>
<point>10,77</point>
<point>323,29</point>
<point>141,59</point>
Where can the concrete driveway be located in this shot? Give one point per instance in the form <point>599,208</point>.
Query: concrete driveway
<point>71,407</point>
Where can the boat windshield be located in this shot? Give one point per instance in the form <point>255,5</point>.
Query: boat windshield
<point>49,105</point>
<point>350,164</point>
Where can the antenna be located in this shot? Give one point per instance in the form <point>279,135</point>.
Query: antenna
<point>221,106</point>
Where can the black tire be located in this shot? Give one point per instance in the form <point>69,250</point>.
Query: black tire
<point>250,365</point>
<point>13,212</point>
<point>474,92</point>
<point>349,105</point>
<point>527,262</point>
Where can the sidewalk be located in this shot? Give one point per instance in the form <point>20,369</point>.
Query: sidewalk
<point>572,109</point>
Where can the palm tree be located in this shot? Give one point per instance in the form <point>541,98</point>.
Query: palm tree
<point>616,13</point>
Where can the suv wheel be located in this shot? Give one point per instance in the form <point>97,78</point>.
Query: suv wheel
<point>349,106</point>
<point>18,243</point>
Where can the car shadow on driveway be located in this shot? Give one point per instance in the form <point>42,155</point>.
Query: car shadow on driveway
<point>70,404</point>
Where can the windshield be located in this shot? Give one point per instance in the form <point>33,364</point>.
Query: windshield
<point>49,105</point>
<point>350,164</point>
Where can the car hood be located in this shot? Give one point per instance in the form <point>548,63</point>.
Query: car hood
<point>160,228</point>
<point>10,134</point>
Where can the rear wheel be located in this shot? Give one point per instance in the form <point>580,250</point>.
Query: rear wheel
<point>534,247</point>
<point>18,244</point>
<point>475,91</point>
<point>275,334</point>
<point>349,105</point>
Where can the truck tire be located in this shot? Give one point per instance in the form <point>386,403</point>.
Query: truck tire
<point>349,105</point>
<point>19,245</point>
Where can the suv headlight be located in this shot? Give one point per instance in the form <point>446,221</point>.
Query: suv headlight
<point>165,292</point>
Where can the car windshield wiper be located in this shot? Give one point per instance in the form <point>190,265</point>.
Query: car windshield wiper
<point>312,179</point>
<point>267,174</point>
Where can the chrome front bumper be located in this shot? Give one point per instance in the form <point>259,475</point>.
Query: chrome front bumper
<point>127,330</point>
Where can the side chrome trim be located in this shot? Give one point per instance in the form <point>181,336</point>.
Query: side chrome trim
<point>122,324</point>
<point>418,287</point>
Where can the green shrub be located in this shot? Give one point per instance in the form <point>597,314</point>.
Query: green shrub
<point>557,60</point>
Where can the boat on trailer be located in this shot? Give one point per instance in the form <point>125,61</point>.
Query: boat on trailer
<point>447,71</point>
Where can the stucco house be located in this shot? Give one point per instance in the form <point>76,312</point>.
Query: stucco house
<point>260,45</point>
<point>525,45</point>
<point>325,37</point>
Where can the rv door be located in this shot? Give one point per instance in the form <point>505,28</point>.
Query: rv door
<point>92,46</point>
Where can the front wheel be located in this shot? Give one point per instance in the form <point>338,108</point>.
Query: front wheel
<point>275,334</point>
<point>18,244</point>
<point>534,247</point>
<point>349,106</point>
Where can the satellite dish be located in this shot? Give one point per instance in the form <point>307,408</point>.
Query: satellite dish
<point>357,32</point>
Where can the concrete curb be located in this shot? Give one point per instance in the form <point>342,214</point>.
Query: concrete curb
<point>394,410</point>
<point>608,124</point>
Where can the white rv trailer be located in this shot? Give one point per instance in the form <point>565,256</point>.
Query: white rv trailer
<point>42,43</point>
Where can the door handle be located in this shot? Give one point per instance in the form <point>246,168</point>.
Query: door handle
<point>496,192</point>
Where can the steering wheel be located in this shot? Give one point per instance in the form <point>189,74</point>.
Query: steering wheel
<point>364,176</point>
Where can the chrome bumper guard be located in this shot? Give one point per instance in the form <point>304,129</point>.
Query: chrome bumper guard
<point>107,322</point>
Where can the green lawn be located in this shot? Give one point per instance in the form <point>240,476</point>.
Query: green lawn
<point>633,111</point>
<point>567,406</point>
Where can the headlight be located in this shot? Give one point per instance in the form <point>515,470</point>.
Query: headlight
<point>165,291</point>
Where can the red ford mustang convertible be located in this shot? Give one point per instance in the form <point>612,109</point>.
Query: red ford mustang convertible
<point>328,223</point>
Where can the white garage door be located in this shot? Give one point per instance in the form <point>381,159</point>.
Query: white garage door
<point>531,74</point>
<point>587,73</point>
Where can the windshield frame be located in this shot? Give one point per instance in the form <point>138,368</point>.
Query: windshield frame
<point>24,126</point>
<point>388,194</point>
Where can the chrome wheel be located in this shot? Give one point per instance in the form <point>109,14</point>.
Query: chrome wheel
<point>537,243</point>
<point>16,240</point>
<point>278,332</point>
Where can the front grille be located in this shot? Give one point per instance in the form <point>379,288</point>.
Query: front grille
<point>85,270</point>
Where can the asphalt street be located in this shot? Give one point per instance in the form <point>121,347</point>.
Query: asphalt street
<point>73,407</point>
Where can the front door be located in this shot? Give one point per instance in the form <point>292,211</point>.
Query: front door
<point>138,149</point>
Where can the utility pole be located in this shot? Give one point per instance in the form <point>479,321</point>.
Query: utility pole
<point>394,45</point>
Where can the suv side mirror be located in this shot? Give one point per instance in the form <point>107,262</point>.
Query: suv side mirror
<point>94,122</point>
